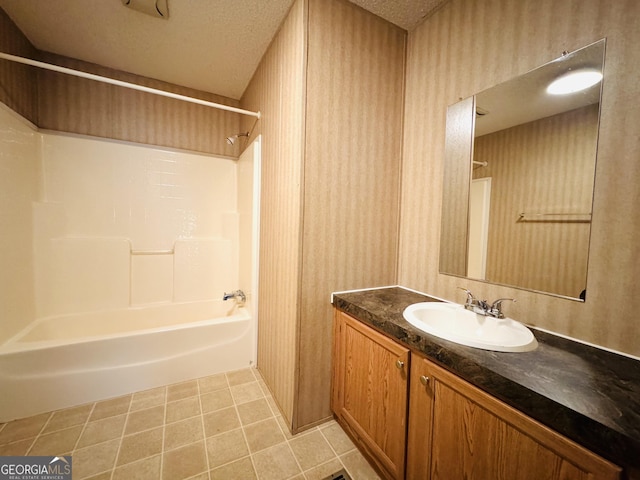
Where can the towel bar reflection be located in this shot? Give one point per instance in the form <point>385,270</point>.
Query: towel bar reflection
<point>555,217</point>
<point>152,252</point>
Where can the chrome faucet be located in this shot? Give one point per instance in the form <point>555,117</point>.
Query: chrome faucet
<point>495,310</point>
<point>482,307</point>
<point>237,294</point>
<point>473,304</point>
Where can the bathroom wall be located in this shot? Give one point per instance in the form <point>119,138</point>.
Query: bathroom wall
<point>19,144</point>
<point>494,41</point>
<point>72,104</point>
<point>19,82</point>
<point>355,86</point>
<point>546,166</point>
<point>330,89</point>
<point>121,225</point>
<point>112,222</point>
<point>248,173</point>
<point>60,102</point>
<point>277,90</point>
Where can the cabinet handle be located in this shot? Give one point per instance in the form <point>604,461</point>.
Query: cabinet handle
<point>424,380</point>
<point>399,364</point>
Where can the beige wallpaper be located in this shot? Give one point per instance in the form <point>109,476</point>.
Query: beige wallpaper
<point>355,85</point>
<point>56,101</point>
<point>330,89</point>
<point>18,83</point>
<point>77,105</point>
<point>546,166</point>
<point>277,90</point>
<point>495,40</point>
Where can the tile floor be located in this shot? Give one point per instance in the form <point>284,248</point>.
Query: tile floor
<point>225,426</point>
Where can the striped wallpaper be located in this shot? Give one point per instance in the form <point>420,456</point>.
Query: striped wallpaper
<point>470,45</point>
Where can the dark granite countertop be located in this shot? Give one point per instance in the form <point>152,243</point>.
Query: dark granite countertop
<point>587,394</point>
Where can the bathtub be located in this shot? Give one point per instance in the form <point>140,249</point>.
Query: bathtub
<point>62,361</point>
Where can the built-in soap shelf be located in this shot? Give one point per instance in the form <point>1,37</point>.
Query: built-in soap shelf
<point>153,252</point>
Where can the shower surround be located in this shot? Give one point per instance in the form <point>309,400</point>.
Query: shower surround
<point>97,226</point>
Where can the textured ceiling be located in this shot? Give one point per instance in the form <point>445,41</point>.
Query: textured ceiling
<point>210,45</point>
<point>404,13</point>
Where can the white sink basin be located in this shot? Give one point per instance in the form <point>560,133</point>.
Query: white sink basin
<point>456,324</point>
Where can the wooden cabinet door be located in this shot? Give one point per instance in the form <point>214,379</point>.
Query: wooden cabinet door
<point>370,391</point>
<point>421,397</point>
<point>475,436</point>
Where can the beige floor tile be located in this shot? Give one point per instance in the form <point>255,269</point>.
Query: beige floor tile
<point>182,409</point>
<point>182,390</point>
<point>101,476</point>
<point>323,471</point>
<point>254,411</point>
<point>56,443</point>
<point>146,469</point>
<point>263,434</point>
<point>94,459</point>
<point>184,462</point>
<point>246,392</point>
<point>284,427</point>
<point>213,401</point>
<point>311,449</point>
<point>258,374</point>
<point>226,447</point>
<point>201,476</point>
<point>183,433</point>
<point>102,430</point>
<point>110,408</point>
<point>336,437</point>
<point>265,388</point>
<point>18,448</point>
<point>144,419</point>
<point>213,383</point>
<point>128,433</point>
<point>140,445</point>
<point>239,377</point>
<point>240,469</point>
<point>220,421</point>
<point>275,463</point>
<point>274,405</point>
<point>70,417</point>
<point>358,467</point>
<point>23,428</point>
<point>148,398</point>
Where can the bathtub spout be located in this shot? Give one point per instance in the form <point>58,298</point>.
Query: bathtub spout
<point>237,294</point>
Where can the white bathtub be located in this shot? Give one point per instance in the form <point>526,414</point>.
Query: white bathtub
<point>62,361</point>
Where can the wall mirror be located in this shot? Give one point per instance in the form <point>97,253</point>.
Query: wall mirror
<point>519,176</point>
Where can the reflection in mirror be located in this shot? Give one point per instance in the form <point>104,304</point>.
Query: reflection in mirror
<point>518,180</point>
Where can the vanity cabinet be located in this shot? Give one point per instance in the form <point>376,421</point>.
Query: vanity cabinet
<point>457,431</point>
<point>392,401</point>
<point>370,392</point>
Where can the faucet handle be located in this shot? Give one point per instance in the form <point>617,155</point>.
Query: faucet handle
<point>470,298</point>
<point>495,310</point>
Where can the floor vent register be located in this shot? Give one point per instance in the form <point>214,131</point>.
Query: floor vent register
<point>341,475</point>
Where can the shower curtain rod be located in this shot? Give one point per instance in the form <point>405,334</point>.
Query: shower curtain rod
<point>133,86</point>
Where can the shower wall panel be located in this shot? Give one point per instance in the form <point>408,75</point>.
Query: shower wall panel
<point>120,224</point>
<point>19,144</point>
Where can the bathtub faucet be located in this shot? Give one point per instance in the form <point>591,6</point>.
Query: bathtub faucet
<point>237,294</point>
